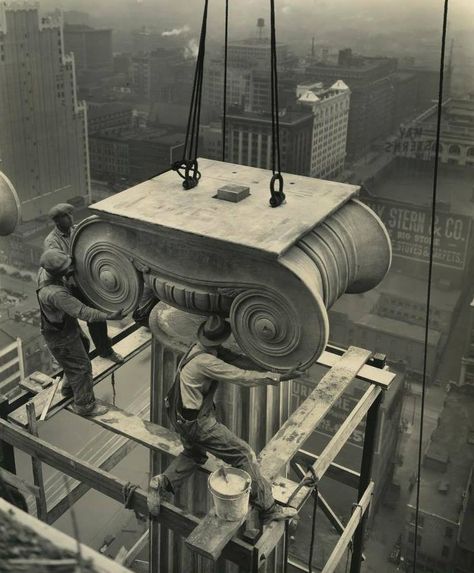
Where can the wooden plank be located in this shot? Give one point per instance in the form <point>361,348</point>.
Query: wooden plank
<point>19,483</point>
<point>341,546</point>
<point>153,436</point>
<point>41,508</point>
<point>202,539</point>
<point>78,489</point>
<point>171,516</point>
<point>340,438</point>
<point>129,347</point>
<point>136,549</point>
<point>161,440</point>
<point>302,422</point>
<point>367,373</point>
<point>99,562</point>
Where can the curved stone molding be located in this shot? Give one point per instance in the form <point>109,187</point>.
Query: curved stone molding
<point>104,268</point>
<point>277,305</point>
<point>9,206</point>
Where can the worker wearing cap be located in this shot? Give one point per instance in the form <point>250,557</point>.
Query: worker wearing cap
<point>190,405</point>
<point>60,239</point>
<point>60,311</point>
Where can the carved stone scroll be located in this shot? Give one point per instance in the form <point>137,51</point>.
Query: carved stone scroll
<point>9,206</point>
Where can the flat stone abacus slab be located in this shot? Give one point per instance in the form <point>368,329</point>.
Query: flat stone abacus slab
<point>251,223</point>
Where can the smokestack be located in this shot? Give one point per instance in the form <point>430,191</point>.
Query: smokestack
<point>260,27</point>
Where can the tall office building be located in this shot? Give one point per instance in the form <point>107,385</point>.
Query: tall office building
<point>249,140</point>
<point>43,128</point>
<point>43,133</point>
<point>371,110</point>
<point>330,106</point>
<point>92,48</point>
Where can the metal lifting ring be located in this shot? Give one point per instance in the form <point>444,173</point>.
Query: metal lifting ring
<point>191,174</point>
<point>278,197</point>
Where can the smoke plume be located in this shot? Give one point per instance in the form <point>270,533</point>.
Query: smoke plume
<point>176,31</point>
<point>191,49</point>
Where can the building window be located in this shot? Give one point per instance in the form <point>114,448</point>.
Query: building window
<point>411,538</point>
<point>448,533</point>
<point>454,149</point>
<point>445,551</point>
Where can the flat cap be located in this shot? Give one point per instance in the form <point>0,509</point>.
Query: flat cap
<point>55,262</point>
<point>61,209</point>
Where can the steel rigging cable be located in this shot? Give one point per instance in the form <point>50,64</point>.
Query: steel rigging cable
<point>277,195</point>
<point>188,167</point>
<point>430,275</point>
<point>224,99</point>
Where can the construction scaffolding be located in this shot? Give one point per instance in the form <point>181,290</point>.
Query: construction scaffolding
<point>214,544</point>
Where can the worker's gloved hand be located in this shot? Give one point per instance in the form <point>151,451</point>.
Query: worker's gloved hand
<point>292,374</point>
<point>116,315</point>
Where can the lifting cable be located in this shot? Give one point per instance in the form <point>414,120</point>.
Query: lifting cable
<point>277,195</point>
<point>430,276</point>
<point>187,168</point>
<point>224,98</point>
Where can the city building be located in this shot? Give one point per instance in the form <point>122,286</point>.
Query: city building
<point>417,138</point>
<point>92,48</point>
<point>446,503</point>
<point>211,141</point>
<point>388,434</point>
<point>249,139</point>
<point>330,107</point>
<point>134,155</point>
<point>238,86</point>
<point>369,79</point>
<point>405,97</point>
<point>43,130</point>
<point>108,117</point>
<point>162,76</point>
<point>393,315</point>
<point>466,375</point>
<point>11,363</point>
<point>255,53</point>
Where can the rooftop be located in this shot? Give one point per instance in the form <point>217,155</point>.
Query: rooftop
<point>399,329</point>
<point>19,329</point>
<point>450,439</point>
<point>289,117</point>
<point>150,134</point>
<point>100,109</point>
<point>405,287</point>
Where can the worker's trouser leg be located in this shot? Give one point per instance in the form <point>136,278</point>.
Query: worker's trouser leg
<point>100,338</point>
<point>147,301</point>
<point>208,435</point>
<point>75,362</point>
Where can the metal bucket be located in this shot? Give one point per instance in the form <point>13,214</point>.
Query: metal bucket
<point>230,493</point>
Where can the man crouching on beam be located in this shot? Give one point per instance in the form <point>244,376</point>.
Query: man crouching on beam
<point>190,406</point>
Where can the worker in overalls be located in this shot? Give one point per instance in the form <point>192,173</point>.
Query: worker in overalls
<point>65,340</point>
<point>190,405</point>
<point>60,239</point>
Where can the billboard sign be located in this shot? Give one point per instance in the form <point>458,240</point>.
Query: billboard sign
<point>329,425</point>
<point>409,228</point>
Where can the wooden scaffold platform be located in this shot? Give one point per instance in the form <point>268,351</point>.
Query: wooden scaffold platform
<point>211,540</point>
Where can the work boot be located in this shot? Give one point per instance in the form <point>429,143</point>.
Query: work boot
<point>96,410</point>
<point>277,513</point>
<point>158,491</point>
<point>114,357</point>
